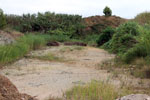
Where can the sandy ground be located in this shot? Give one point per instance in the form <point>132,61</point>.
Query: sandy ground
<point>43,79</point>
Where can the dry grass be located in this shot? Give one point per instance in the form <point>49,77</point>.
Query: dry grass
<point>94,91</point>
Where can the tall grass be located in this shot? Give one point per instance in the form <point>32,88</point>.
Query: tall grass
<point>23,45</point>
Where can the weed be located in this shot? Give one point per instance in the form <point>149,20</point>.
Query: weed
<point>95,91</point>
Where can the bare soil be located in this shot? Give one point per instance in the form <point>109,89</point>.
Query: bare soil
<point>43,79</point>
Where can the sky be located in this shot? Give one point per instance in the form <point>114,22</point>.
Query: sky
<point>123,8</point>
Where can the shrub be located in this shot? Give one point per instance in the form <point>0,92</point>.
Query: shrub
<point>105,36</point>
<point>143,18</point>
<point>141,49</point>
<point>2,19</point>
<point>45,22</point>
<point>107,11</point>
<point>124,38</point>
<point>129,28</point>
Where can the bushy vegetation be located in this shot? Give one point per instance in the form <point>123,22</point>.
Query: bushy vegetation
<point>2,19</point>
<point>105,36</point>
<point>143,18</point>
<point>130,41</point>
<point>107,11</point>
<point>124,38</point>
<point>45,22</point>
<point>141,49</point>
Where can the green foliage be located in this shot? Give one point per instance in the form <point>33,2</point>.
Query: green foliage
<point>124,38</point>
<point>2,19</point>
<point>45,22</point>
<point>141,49</point>
<point>107,11</point>
<point>128,28</point>
<point>90,39</point>
<point>105,36</point>
<point>10,53</point>
<point>143,18</point>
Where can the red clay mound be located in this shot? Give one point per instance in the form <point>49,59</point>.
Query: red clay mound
<point>98,23</point>
<point>9,92</point>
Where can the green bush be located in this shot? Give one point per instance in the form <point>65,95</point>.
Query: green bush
<point>107,11</point>
<point>105,36</point>
<point>141,49</point>
<point>129,28</point>
<point>125,37</point>
<point>2,19</point>
<point>43,22</point>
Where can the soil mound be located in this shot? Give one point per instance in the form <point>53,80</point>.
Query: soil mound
<point>7,37</point>
<point>98,23</point>
<point>9,92</point>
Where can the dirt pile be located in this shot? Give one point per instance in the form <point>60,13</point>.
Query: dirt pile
<point>9,92</point>
<point>7,37</point>
<point>98,23</point>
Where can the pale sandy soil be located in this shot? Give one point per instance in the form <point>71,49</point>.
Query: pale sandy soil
<point>43,79</point>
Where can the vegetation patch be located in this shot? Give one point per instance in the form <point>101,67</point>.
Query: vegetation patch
<point>95,91</point>
<point>23,45</point>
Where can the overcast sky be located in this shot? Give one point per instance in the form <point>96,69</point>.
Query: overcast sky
<point>123,8</point>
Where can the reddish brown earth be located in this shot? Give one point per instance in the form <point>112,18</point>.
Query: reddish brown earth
<point>8,91</point>
<point>101,22</point>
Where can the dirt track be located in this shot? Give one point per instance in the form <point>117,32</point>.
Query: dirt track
<point>52,78</point>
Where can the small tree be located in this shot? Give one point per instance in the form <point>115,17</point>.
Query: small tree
<point>2,19</point>
<point>107,11</point>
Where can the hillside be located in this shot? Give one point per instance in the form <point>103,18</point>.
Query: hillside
<point>98,23</point>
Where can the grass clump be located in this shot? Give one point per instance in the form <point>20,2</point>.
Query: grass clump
<point>22,46</point>
<point>95,91</point>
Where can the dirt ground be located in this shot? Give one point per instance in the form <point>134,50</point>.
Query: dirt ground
<point>43,79</point>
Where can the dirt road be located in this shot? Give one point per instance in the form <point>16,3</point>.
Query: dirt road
<point>42,79</point>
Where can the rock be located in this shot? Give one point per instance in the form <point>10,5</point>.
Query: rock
<point>8,91</point>
<point>75,43</point>
<point>52,44</point>
<point>135,97</point>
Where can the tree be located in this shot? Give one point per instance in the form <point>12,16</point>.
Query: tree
<point>2,19</point>
<point>107,11</point>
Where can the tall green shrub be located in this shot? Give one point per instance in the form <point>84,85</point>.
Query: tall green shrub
<point>124,38</point>
<point>2,19</point>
